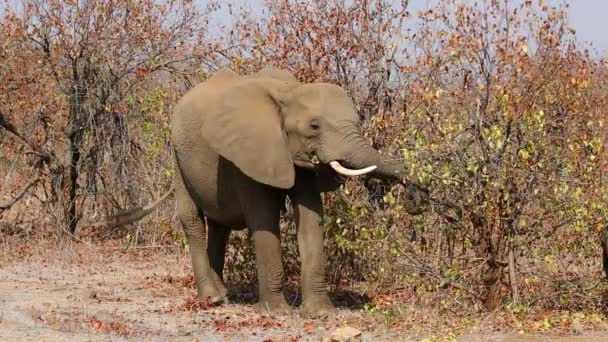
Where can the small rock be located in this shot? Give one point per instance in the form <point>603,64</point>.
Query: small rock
<point>184,331</point>
<point>344,334</point>
<point>86,295</point>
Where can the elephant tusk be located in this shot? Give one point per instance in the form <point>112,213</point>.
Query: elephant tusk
<point>350,172</point>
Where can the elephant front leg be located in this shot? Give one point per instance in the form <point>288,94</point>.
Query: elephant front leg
<point>309,213</point>
<point>270,270</point>
<point>261,207</point>
<point>208,282</point>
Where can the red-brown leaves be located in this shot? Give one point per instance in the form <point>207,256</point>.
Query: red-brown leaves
<point>309,327</point>
<point>195,304</point>
<point>116,328</point>
<point>85,75</point>
<point>322,40</point>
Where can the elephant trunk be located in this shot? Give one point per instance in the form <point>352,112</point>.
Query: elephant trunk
<point>365,156</point>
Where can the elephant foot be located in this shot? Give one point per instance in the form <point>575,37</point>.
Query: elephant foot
<point>317,307</point>
<point>215,292</point>
<point>276,305</point>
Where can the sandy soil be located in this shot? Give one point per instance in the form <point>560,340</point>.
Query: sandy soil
<point>101,294</point>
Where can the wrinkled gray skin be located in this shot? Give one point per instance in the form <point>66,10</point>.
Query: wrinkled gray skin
<point>244,143</point>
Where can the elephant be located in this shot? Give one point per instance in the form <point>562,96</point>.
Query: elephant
<point>243,144</point>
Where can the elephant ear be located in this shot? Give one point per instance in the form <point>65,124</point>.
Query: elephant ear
<point>244,126</point>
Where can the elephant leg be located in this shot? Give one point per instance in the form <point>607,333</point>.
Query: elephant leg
<point>217,235</point>
<point>309,213</point>
<point>261,207</point>
<point>208,282</point>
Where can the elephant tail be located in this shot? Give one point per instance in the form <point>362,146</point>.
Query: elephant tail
<point>135,214</point>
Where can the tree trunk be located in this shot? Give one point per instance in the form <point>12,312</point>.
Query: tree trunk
<point>493,280</point>
<point>74,159</point>
<point>487,249</point>
<point>75,135</point>
<point>513,276</point>
<point>604,242</point>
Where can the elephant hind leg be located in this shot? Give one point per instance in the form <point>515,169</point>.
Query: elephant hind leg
<point>217,236</point>
<point>208,282</point>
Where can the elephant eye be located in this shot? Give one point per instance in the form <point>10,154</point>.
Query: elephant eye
<point>315,125</point>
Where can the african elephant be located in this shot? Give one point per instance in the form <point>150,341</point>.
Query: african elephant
<point>244,143</point>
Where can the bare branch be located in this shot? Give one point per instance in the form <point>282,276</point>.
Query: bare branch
<point>16,198</point>
<point>36,150</point>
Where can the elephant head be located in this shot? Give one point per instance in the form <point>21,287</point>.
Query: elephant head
<point>269,123</point>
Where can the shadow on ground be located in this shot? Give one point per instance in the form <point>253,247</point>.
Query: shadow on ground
<point>246,294</point>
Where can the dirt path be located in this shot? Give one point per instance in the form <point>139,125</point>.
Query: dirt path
<point>126,297</point>
<point>79,295</point>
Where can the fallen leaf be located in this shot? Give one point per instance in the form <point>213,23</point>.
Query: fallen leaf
<point>309,328</point>
<point>117,328</point>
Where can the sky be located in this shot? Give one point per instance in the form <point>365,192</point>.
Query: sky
<point>590,19</point>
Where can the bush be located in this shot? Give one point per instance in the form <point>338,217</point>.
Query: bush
<point>493,105</point>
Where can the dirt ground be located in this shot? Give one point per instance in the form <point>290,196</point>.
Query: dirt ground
<point>75,292</point>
